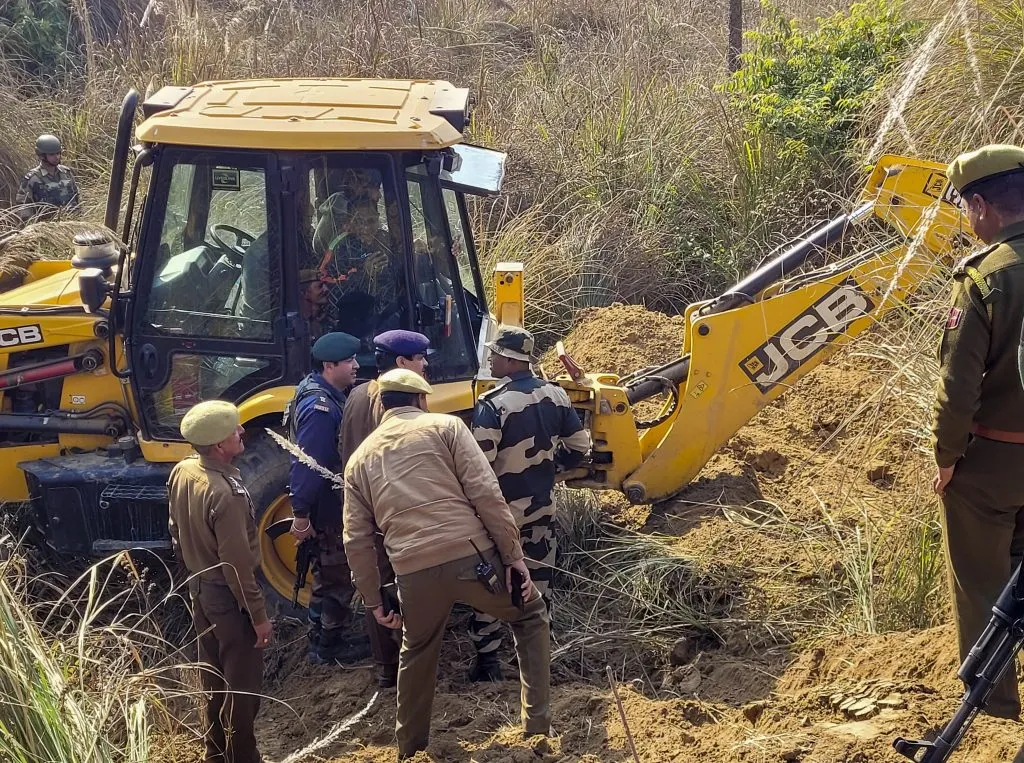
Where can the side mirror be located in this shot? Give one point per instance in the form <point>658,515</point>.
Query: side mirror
<point>92,289</point>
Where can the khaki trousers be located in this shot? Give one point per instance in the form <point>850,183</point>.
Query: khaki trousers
<point>983,526</point>
<point>226,642</point>
<point>427,599</point>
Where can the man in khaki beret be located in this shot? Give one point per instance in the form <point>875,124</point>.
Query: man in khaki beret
<point>313,300</point>
<point>422,480</point>
<point>978,421</point>
<point>213,533</point>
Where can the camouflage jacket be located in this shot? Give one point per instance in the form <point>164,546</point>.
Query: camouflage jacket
<point>41,194</point>
<point>527,429</point>
<point>979,382</point>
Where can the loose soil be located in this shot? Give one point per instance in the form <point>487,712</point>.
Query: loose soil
<point>836,452</point>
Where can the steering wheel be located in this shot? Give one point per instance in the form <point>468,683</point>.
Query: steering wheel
<point>237,250</point>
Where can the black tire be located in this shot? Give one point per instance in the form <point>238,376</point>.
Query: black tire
<point>264,466</point>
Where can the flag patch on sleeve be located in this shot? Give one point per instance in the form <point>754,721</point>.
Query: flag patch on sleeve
<point>953,320</point>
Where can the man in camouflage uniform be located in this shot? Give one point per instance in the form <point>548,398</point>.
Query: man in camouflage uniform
<point>528,430</point>
<point>978,420</point>
<point>314,418</point>
<point>49,186</point>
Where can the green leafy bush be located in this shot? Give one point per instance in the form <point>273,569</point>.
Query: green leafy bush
<point>37,35</point>
<point>810,85</point>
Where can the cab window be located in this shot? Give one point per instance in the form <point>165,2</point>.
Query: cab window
<point>438,291</point>
<point>216,263</point>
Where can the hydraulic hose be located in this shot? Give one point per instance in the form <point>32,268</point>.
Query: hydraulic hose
<point>32,422</point>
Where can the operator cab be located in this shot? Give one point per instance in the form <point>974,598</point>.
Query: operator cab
<point>245,255</point>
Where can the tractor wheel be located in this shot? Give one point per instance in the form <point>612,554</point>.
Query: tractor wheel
<point>264,466</point>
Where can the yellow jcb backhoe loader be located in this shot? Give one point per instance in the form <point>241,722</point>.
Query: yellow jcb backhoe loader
<point>262,213</point>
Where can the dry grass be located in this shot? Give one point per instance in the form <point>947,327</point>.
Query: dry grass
<point>86,675</point>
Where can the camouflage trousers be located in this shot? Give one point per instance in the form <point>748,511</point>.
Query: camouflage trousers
<point>539,548</point>
<point>330,600</point>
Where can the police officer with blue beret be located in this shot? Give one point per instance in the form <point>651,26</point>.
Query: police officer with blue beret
<point>363,412</point>
<point>314,418</point>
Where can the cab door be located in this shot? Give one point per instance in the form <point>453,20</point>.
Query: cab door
<point>207,319</point>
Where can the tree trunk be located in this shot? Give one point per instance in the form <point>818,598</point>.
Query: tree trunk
<point>735,34</point>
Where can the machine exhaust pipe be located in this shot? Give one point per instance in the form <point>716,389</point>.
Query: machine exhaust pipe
<point>119,163</point>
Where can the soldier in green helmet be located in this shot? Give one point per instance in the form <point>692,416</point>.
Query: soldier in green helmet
<point>48,187</point>
<point>978,421</point>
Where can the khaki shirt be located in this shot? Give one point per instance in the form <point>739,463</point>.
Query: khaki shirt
<point>979,381</point>
<point>363,413</point>
<point>213,529</point>
<point>422,479</point>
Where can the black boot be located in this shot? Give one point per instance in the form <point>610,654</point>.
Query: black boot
<point>387,676</point>
<point>335,648</point>
<point>486,668</point>
<point>314,639</point>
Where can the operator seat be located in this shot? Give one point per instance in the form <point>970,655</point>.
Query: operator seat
<point>259,286</point>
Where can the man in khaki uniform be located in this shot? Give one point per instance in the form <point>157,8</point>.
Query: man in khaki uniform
<point>363,412</point>
<point>979,404</point>
<point>422,479</point>
<point>213,533</point>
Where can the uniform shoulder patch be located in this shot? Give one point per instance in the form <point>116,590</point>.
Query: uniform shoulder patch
<point>322,403</point>
<point>953,319</point>
<point>237,488</point>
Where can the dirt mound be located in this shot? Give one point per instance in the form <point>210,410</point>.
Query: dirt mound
<point>620,339</point>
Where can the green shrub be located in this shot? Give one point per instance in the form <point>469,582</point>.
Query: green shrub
<point>37,36</point>
<point>809,86</point>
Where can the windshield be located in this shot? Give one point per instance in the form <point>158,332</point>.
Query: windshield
<point>215,269</point>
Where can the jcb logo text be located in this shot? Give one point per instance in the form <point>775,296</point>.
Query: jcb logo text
<point>810,333</point>
<point>16,335</point>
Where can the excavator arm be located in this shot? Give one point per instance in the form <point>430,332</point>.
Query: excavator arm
<point>747,347</point>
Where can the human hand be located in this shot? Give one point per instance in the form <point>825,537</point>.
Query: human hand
<point>301,529</point>
<point>943,475</point>
<point>375,263</point>
<point>264,634</point>
<point>391,620</point>
<point>527,587</point>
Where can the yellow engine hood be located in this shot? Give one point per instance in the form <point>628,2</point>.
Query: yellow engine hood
<point>48,283</point>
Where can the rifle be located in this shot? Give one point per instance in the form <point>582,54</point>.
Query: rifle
<point>990,657</point>
<point>304,553</point>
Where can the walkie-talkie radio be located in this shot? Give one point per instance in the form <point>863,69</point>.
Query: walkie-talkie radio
<point>486,573</point>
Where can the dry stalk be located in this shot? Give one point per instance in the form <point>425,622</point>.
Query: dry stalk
<point>622,712</point>
<point>306,459</point>
<point>333,735</point>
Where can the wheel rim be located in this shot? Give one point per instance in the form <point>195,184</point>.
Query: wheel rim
<point>277,557</point>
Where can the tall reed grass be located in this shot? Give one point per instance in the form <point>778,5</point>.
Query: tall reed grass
<point>86,675</point>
